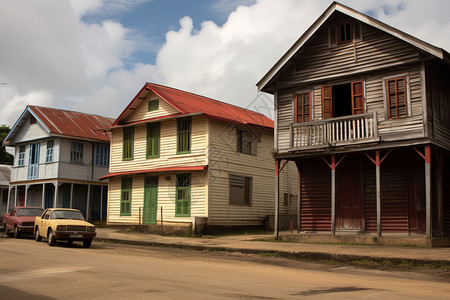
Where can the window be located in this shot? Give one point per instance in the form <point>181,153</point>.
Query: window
<point>21,160</point>
<point>240,190</point>
<point>396,98</point>
<point>153,105</point>
<point>153,137</point>
<point>184,135</point>
<point>343,99</point>
<point>246,141</point>
<point>125,196</point>
<point>101,155</point>
<point>76,153</point>
<point>345,33</point>
<point>49,152</point>
<point>128,141</point>
<point>183,196</point>
<point>302,107</point>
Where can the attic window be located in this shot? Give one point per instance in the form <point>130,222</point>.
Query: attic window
<point>32,120</point>
<point>153,105</point>
<point>344,33</point>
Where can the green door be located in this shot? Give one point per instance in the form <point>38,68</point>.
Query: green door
<point>150,200</point>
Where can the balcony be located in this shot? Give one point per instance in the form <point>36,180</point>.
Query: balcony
<point>348,130</point>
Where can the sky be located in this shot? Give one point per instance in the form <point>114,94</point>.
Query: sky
<point>94,56</point>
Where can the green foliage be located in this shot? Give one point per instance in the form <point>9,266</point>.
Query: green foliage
<point>5,157</point>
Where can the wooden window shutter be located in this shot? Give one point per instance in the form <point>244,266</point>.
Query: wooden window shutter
<point>396,94</point>
<point>357,97</point>
<point>327,102</point>
<point>302,107</point>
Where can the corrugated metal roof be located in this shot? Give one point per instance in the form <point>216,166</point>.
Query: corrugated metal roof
<point>157,170</point>
<point>72,123</point>
<point>188,103</point>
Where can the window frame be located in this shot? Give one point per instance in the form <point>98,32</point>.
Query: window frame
<point>386,80</point>
<point>21,156</point>
<point>183,200</point>
<point>247,195</point>
<point>153,105</point>
<point>101,157</point>
<point>128,143</point>
<point>77,153</point>
<point>126,188</point>
<point>153,146</point>
<point>49,151</point>
<point>184,135</point>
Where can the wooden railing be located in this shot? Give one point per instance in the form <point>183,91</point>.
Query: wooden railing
<point>334,131</point>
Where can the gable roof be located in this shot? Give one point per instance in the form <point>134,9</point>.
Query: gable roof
<point>189,104</point>
<point>337,7</point>
<point>58,122</point>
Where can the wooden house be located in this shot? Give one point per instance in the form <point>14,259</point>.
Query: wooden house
<point>181,159</point>
<point>59,157</point>
<point>5,174</point>
<point>362,108</point>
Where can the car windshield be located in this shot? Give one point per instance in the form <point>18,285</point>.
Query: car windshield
<point>34,212</point>
<point>67,214</point>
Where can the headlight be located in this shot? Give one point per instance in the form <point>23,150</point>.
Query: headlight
<point>91,229</point>
<point>61,228</point>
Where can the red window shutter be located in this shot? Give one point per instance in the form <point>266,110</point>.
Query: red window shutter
<point>357,97</point>
<point>396,94</point>
<point>327,102</point>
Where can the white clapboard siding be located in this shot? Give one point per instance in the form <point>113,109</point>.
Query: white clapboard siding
<point>142,113</point>
<point>168,150</point>
<point>29,133</point>
<point>166,199</point>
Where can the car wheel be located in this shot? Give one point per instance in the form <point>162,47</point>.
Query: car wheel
<point>51,239</point>
<point>16,232</point>
<point>87,243</point>
<point>37,236</point>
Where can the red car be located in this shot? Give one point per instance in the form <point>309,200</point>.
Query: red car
<point>21,220</point>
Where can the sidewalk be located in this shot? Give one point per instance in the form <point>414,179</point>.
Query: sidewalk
<point>253,244</point>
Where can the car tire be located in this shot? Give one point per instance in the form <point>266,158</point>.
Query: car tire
<point>51,239</point>
<point>37,236</point>
<point>87,243</point>
<point>16,232</point>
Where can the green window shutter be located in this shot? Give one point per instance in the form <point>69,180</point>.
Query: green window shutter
<point>153,139</point>
<point>183,196</point>
<point>184,135</point>
<point>153,105</point>
<point>128,141</point>
<point>125,196</point>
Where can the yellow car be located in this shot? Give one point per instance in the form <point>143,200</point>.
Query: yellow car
<point>63,224</point>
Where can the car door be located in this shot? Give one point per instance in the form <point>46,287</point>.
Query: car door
<point>43,223</point>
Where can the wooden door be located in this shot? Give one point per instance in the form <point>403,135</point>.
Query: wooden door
<point>349,195</point>
<point>150,200</point>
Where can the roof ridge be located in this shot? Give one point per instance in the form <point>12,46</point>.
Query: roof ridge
<point>68,110</point>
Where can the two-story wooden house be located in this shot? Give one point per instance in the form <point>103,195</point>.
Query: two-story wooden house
<point>363,110</point>
<point>182,159</point>
<point>59,157</point>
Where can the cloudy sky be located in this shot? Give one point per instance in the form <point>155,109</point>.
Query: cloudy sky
<point>95,55</point>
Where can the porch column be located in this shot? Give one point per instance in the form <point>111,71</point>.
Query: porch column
<point>428,189</point>
<point>9,198</point>
<point>378,187</point>
<point>43,196</point>
<point>26,194</point>
<point>56,194</point>
<point>277,198</point>
<point>15,196</point>
<point>88,201</point>
<point>333,194</point>
<point>71,196</point>
<point>299,199</point>
<point>101,202</point>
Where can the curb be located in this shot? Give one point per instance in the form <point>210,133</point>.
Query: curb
<point>302,256</point>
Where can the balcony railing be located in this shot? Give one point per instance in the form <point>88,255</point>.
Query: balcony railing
<point>346,130</point>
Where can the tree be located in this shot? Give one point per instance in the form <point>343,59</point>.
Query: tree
<point>5,157</point>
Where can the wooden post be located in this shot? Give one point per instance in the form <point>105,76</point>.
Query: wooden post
<point>101,202</point>
<point>43,196</point>
<point>291,135</point>
<point>299,199</point>
<point>9,198</point>
<point>277,198</point>
<point>71,196</point>
<point>333,194</point>
<point>378,187</point>
<point>15,196</point>
<point>26,194</point>
<point>88,201</point>
<point>428,189</point>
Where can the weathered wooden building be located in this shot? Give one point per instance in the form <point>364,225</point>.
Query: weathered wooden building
<point>59,157</point>
<point>363,110</point>
<point>181,159</point>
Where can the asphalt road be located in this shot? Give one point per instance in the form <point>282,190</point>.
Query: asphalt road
<point>31,270</point>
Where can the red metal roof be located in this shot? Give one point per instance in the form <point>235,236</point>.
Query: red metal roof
<point>187,103</point>
<point>72,123</point>
<point>157,170</point>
